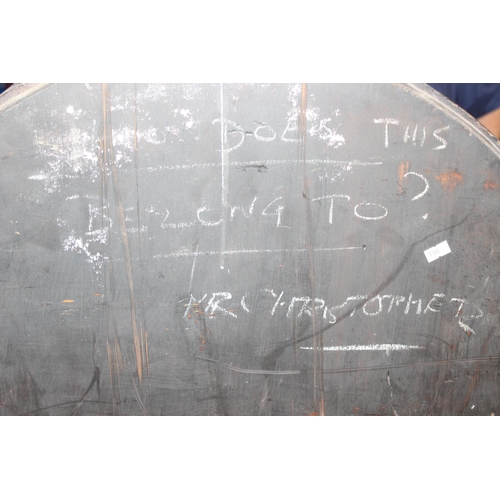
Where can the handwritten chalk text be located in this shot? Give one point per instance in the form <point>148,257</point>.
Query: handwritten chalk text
<point>271,302</point>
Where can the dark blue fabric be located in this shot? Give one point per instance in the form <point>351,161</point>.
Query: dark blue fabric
<point>477,99</point>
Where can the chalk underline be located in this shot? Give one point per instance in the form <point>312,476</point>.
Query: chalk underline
<point>255,251</point>
<point>248,164</point>
<point>372,347</point>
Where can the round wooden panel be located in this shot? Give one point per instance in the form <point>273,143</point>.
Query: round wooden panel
<point>247,249</point>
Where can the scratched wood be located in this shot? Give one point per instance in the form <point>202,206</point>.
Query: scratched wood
<point>244,249</point>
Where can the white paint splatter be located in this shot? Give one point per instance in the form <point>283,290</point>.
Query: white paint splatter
<point>74,244</point>
<point>68,155</point>
<point>323,129</point>
<point>294,91</point>
<point>185,113</point>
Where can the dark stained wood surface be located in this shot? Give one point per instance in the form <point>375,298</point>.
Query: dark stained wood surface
<point>245,249</point>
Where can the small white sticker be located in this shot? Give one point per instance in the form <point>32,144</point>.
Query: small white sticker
<point>439,250</point>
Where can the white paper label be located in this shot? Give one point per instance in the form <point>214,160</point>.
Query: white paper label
<point>439,250</point>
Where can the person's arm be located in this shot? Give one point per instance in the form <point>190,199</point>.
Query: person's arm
<point>491,121</point>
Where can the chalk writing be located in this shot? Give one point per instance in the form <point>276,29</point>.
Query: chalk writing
<point>214,308</point>
<point>247,214</point>
<point>298,306</point>
<point>277,212</point>
<point>204,222</point>
<point>406,135</point>
<point>439,138</point>
<point>235,129</point>
<point>465,327</point>
<point>254,251</point>
<point>243,303</point>
<point>369,217</point>
<point>371,347</point>
<point>291,126</point>
<point>274,210</point>
<point>420,195</point>
<point>327,134</point>
<point>265,138</point>
<point>332,197</point>
<point>233,135</point>
<point>387,122</point>
<point>343,165</point>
